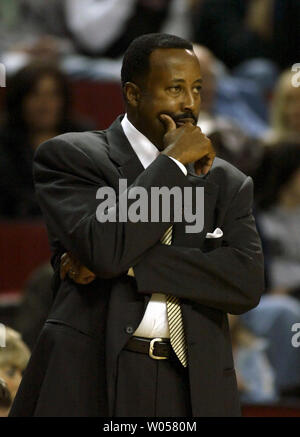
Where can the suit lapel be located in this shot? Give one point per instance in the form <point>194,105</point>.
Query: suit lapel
<point>121,152</point>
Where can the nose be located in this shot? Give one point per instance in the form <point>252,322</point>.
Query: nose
<point>189,101</point>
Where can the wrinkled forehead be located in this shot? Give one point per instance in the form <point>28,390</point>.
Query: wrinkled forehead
<point>174,63</point>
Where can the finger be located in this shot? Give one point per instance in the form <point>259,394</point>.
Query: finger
<point>64,266</point>
<point>62,273</point>
<point>64,270</point>
<point>207,164</point>
<point>203,165</point>
<point>64,256</point>
<point>74,267</point>
<point>205,169</point>
<point>66,262</point>
<point>189,124</point>
<point>82,277</point>
<point>168,122</point>
<point>89,278</point>
<point>72,274</point>
<point>86,276</point>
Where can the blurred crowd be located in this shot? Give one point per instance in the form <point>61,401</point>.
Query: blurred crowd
<point>248,51</point>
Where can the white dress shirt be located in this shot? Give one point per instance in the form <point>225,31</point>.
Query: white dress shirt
<point>155,320</point>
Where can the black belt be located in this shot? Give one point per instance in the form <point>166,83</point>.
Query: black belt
<point>156,348</point>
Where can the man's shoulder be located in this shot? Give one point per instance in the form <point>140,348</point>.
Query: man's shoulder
<point>90,143</point>
<point>82,139</point>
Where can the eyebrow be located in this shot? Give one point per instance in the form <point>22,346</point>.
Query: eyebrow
<point>182,80</point>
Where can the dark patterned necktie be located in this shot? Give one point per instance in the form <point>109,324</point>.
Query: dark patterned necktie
<point>176,327</point>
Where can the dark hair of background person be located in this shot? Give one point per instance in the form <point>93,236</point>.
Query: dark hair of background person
<point>224,28</point>
<point>22,83</point>
<point>20,135</point>
<point>136,64</point>
<point>280,164</point>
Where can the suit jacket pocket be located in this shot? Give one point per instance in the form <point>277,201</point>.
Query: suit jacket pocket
<point>66,327</point>
<point>212,244</point>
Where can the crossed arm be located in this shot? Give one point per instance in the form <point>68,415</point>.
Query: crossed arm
<point>229,278</point>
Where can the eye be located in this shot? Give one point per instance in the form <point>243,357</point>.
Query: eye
<point>175,89</point>
<point>11,371</point>
<point>197,89</point>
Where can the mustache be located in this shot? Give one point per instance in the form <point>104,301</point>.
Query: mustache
<point>184,115</point>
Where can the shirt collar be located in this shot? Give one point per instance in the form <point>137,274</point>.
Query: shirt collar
<point>145,150</point>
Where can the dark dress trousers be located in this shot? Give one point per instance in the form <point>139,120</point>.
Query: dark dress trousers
<point>73,368</point>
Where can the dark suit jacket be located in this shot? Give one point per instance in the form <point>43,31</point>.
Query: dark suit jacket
<point>73,368</point>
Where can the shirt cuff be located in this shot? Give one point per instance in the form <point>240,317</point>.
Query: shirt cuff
<point>180,165</point>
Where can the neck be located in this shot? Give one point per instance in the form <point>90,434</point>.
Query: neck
<point>141,127</point>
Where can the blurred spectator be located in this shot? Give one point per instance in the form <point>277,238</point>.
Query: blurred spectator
<point>279,216</point>
<point>230,141</point>
<point>5,399</point>
<point>238,30</point>
<point>13,360</point>
<point>285,110</point>
<point>68,30</point>
<point>31,28</point>
<point>255,376</point>
<point>107,27</point>
<point>273,319</point>
<point>36,303</point>
<point>37,108</point>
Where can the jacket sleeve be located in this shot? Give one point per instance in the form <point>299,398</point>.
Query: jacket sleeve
<point>66,183</point>
<point>229,278</point>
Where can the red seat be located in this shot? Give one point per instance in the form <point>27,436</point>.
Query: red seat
<point>23,247</point>
<point>271,410</point>
<point>100,101</point>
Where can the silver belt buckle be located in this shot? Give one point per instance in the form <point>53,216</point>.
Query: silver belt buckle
<point>151,350</point>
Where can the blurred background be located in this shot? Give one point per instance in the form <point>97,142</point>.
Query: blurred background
<point>63,59</point>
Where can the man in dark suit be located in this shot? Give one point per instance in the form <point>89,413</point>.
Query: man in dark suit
<point>108,345</point>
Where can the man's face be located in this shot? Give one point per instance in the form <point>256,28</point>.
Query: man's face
<point>43,106</point>
<point>172,87</point>
<point>12,376</point>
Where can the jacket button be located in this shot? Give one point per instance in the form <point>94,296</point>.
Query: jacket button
<point>129,329</point>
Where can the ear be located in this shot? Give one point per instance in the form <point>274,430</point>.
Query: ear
<point>132,93</point>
